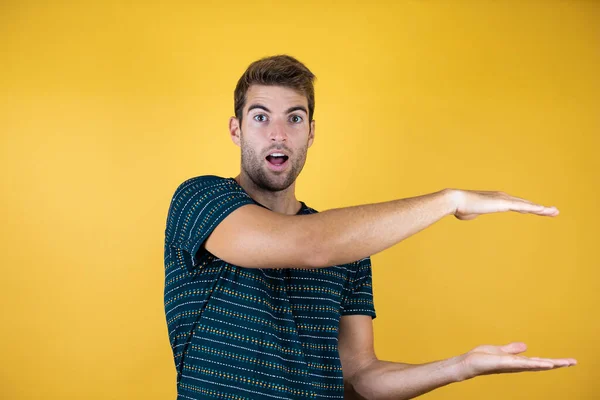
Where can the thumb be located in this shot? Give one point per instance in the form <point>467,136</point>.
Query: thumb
<point>514,347</point>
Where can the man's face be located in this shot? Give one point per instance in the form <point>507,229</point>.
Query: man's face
<point>274,136</point>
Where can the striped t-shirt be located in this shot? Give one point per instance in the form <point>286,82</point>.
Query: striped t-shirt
<point>251,333</point>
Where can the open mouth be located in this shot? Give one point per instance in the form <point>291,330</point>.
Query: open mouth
<point>277,159</point>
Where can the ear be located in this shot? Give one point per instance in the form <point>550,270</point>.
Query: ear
<point>311,134</point>
<point>234,130</point>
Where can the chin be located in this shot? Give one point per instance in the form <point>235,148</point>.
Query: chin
<point>281,182</point>
<point>278,186</point>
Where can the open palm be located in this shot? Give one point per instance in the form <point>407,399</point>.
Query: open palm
<point>488,359</point>
<point>472,203</point>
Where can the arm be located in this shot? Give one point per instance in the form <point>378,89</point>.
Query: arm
<point>254,237</point>
<point>366,377</point>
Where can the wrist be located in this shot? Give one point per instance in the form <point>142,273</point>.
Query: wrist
<point>459,370</point>
<point>452,200</point>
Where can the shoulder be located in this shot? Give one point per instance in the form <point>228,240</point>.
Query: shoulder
<point>202,181</point>
<point>207,184</point>
<point>204,190</point>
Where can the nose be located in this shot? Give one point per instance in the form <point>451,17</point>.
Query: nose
<point>277,132</point>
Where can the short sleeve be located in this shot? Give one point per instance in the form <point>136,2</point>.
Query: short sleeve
<point>359,298</point>
<point>197,207</point>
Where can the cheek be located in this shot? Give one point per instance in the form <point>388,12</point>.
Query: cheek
<point>250,147</point>
<point>254,134</point>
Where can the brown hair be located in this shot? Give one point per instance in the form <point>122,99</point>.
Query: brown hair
<point>280,70</point>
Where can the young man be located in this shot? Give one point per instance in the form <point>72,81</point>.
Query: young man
<point>267,299</point>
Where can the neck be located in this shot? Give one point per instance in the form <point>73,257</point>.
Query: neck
<point>283,201</point>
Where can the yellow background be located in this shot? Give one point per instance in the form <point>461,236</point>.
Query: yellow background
<point>106,107</point>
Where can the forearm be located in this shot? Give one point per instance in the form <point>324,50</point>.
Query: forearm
<point>383,380</point>
<point>347,234</point>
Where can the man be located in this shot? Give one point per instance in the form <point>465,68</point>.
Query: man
<point>267,299</point>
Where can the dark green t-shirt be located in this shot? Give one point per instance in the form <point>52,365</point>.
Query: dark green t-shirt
<point>251,333</point>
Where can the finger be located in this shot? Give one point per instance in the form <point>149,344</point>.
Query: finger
<point>552,211</point>
<point>549,211</point>
<point>525,363</point>
<point>563,362</point>
<point>526,207</point>
<point>522,199</point>
<point>525,201</point>
<point>518,205</point>
<point>518,370</point>
<point>556,362</point>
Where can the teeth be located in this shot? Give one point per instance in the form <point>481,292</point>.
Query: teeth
<point>277,155</point>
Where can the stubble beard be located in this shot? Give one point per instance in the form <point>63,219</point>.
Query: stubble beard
<point>254,167</point>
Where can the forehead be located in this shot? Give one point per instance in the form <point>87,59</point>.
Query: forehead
<point>275,97</point>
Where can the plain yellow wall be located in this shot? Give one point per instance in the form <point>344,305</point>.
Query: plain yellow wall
<point>105,108</point>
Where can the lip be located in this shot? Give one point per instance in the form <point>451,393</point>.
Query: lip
<point>278,151</point>
<point>278,168</point>
<point>281,167</point>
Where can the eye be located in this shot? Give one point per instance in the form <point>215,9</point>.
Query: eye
<point>260,117</point>
<point>296,119</point>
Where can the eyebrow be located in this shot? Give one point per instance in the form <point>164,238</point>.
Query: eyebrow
<point>289,110</point>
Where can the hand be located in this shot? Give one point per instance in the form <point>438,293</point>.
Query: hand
<point>471,203</point>
<point>488,359</point>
